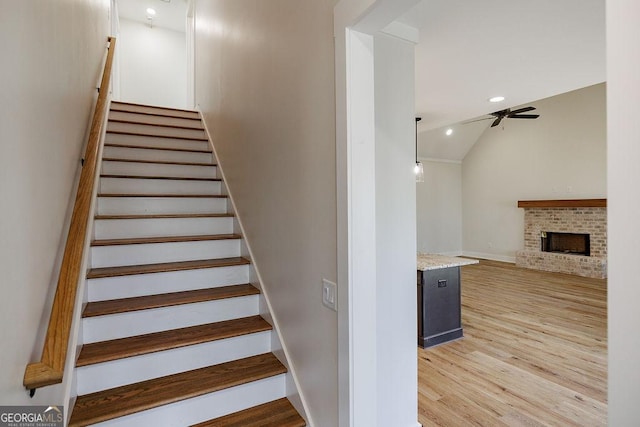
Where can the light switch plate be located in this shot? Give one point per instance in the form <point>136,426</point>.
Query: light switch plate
<point>329,295</point>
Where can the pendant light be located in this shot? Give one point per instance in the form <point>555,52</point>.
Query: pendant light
<point>418,169</point>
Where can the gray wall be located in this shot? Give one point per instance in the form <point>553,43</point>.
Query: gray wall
<point>265,83</point>
<point>52,60</point>
<point>560,155</point>
<point>623,149</point>
<point>439,208</point>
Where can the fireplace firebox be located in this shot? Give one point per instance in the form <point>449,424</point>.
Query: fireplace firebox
<point>565,243</point>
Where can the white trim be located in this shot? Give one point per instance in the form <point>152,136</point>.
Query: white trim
<point>75,333</point>
<point>402,31</point>
<point>276,326</point>
<point>492,257</point>
<point>432,159</point>
<point>353,21</point>
<point>452,253</point>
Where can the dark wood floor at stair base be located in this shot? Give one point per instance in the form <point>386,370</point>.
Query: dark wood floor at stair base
<point>534,353</point>
<point>150,343</point>
<point>117,402</point>
<point>279,413</point>
<point>96,273</point>
<point>124,305</point>
<point>164,239</point>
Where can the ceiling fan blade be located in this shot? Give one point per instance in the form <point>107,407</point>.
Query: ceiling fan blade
<point>496,121</point>
<point>501,113</point>
<point>478,120</point>
<point>525,116</point>
<point>522,110</point>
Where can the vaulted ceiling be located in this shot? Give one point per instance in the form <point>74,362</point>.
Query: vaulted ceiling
<point>523,50</point>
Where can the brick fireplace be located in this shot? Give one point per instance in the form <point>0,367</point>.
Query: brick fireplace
<point>580,224</point>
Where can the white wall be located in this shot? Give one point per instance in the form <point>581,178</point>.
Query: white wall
<point>439,208</point>
<point>561,155</point>
<point>153,65</point>
<point>396,320</point>
<point>53,54</point>
<point>265,79</point>
<point>623,109</point>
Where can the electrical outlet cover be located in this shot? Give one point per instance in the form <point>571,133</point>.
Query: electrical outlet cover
<point>329,294</point>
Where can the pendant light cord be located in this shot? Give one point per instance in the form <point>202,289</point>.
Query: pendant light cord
<point>417,120</point>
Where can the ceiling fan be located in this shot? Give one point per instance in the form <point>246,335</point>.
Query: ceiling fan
<point>498,116</point>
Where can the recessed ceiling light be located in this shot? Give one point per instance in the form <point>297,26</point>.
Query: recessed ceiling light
<point>151,11</point>
<point>449,132</point>
<point>496,99</point>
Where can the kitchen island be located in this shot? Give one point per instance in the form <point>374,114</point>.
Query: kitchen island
<point>439,309</point>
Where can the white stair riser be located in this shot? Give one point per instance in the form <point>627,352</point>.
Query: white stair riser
<point>154,141</point>
<point>157,120</point>
<point>102,376</point>
<point>156,227</point>
<point>113,326</point>
<point>206,407</point>
<point>108,288</point>
<point>121,255</point>
<point>157,169</point>
<point>157,186</point>
<point>155,130</point>
<point>160,205</point>
<point>159,155</point>
<point>146,109</point>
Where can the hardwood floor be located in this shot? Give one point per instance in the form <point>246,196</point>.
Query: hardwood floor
<point>534,353</point>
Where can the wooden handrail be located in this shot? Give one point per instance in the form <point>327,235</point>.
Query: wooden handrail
<point>50,369</point>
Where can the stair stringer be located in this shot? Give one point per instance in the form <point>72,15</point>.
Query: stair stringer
<point>278,346</point>
<point>70,388</point>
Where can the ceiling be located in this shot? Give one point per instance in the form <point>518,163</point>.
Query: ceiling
<point>170,14</point>
<point>523,50</point>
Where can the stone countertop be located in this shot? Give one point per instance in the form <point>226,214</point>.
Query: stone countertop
<point>434,261</point>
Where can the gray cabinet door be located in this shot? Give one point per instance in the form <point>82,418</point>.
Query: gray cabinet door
<point>440,305</point>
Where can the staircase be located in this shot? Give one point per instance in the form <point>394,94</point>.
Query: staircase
<point>172,330</point>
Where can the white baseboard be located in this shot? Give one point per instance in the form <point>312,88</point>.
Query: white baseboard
<point>492,257</point>
<point>452,253</point>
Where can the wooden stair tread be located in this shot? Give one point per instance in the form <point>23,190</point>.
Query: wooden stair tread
<point>167,178</point>
<point>106,351</point>
<point>128,270</point>
<point>167,114</point>
<point>145,147</point>
<point>162,125</point>
<point>158,107</point>
<point>164,239</point>
<point>117,402</point>
<point>197,196</point>
<point>189,138</point>
<point>279,413</point>
<point>160,162</point>
<point>123,305</point>
<point>167,216</point>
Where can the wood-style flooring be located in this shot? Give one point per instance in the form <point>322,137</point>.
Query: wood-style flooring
<point>534,353</point>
